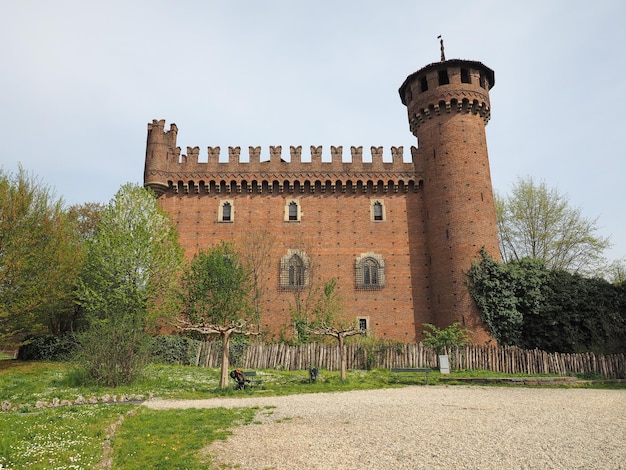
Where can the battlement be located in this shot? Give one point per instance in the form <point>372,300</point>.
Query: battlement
<point>166,166</point>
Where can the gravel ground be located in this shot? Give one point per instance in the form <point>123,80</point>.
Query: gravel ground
<point>426,427</point>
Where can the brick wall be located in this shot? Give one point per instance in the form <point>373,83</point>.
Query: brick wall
<point>333,231</point>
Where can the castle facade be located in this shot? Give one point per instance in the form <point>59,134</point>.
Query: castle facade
<point>397,236</point>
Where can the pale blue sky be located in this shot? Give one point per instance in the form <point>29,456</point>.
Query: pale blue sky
<point>80,80</point>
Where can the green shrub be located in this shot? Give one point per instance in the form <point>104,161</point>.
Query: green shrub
<point>112,353</point>
<point>48,347</point>
<point>174,350</point>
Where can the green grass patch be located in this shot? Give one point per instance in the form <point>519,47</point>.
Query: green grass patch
<point>66,437</point>
<point>173,439</point>
<point>29,382</point>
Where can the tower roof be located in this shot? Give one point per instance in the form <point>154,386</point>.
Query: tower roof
<point>489,73</point>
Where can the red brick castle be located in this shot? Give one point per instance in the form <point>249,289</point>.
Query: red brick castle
<point>397,236</point>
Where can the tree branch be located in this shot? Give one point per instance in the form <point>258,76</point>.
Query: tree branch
<point>240,327</point>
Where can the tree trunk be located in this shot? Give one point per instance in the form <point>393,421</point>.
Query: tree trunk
<point>342,357</point>
<point>225,349</point>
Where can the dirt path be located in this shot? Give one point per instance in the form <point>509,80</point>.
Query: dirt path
<point>427,427</point>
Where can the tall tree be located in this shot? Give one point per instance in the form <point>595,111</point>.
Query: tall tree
<point>537,222</point>
<point>68,315</point>
<point>40,255</point>
<point>216,298</point>
<point>330,321</point>
<point>129,282</point>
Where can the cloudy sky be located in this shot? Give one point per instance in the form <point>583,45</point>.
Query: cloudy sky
<point>81,79</point>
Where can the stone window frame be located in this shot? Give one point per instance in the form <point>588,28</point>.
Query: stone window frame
<point>288,280</point>
<point>373,203</point>
<point>220,211</point>
<point>362,264</point>
<point>288,204</point>
<point>363,321</point>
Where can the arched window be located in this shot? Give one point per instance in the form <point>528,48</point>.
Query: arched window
<point>226,212</point>
<point>377,210</point>
<point>292,210</point>
<point>370,271</point>
<point>294,270</point>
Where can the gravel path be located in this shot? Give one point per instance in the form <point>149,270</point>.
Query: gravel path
<point>432,427</point>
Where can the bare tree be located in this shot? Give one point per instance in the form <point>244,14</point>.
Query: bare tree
<point>537,222</point>
<point>256,251</point>
<point>329,321</point>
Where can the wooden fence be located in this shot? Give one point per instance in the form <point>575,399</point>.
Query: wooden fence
<point>510,360</point>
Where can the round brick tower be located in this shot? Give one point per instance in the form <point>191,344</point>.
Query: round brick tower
<point>448,108</point>
<point>159,155</point>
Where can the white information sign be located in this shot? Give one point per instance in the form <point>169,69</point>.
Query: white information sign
<point>444,364</point>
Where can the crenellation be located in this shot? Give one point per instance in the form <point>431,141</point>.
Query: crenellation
<point>377,154</point>
<point>192,155</point>
<point>213,154</point>
<point>276,153</point>
<point>397,155</point>
<point>233,154</point>
<point>336,153</point>
<point>357,153</point>
<point>255,155</point>
<point>316,155</point>
<point>295,153</point>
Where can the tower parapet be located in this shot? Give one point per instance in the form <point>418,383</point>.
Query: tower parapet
<point>453,86</point>
<point>159,155</point>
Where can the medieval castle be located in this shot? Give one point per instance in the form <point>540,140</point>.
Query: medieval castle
<point>398,237</point>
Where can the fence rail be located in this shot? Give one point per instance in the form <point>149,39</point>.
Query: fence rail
<point>510,360</point>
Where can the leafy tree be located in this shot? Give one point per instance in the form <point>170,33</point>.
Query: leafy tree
<point>450,338</point>
<point>216,298</point>
<point>504,293</point>
<point>40,255</point>
<point>537,222</point>
<point>524,304</point>
<point>129,283</point>
<point>68,315</point>
<point>87,217</point>
<point>329,321</point>
<point>576,314</point>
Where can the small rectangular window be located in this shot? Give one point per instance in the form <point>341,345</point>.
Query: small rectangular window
<point>443,77</point>
<point>293,211</point>
<point>226,212</point>
<point>363,324</point>
<point>465,76</point>
<point>378,211</point>
<point>424,84</point>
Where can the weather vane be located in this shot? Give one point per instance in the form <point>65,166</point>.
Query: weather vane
<point>443,55</point>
